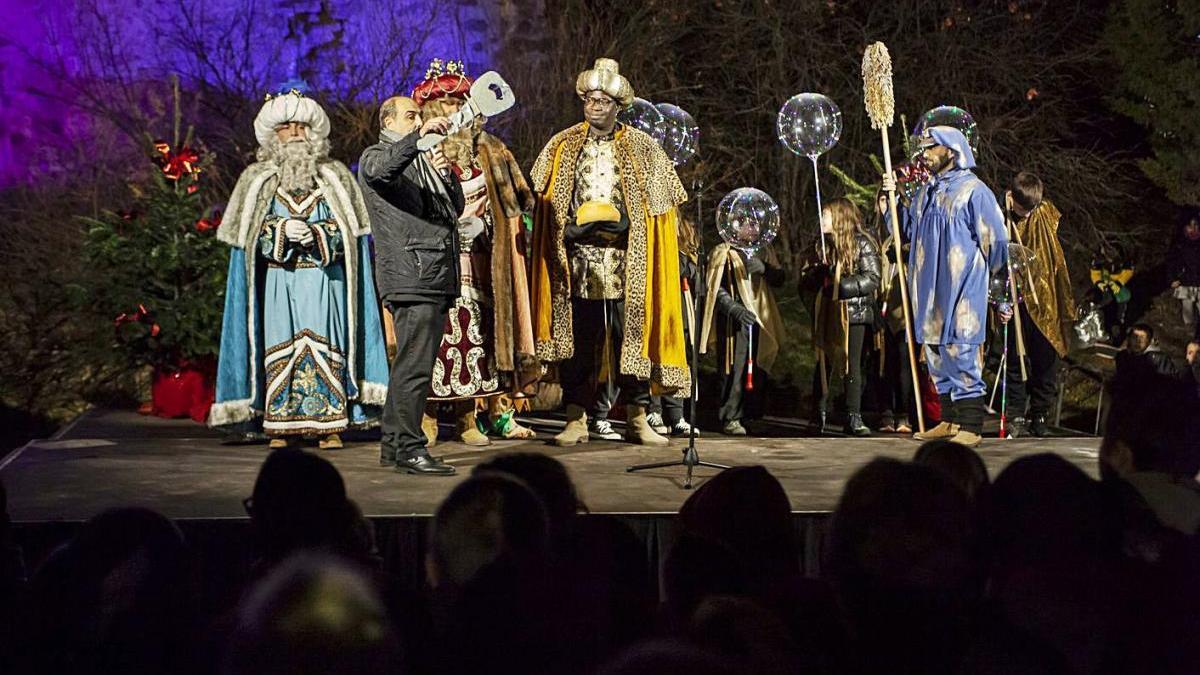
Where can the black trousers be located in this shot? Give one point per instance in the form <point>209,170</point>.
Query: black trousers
<point>897,391</point>
<point>733,386</point>
<point>1041,363</point>
<point>419,327</point>
<point>853,382</point>
<point>579,375</point>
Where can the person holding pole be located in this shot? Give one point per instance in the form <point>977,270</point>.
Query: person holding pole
<point>958,241</point>
<point>1046,305</point>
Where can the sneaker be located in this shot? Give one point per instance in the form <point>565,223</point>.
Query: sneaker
<point>602,430</point>
<point>733,428</point>
<point>682,428</point>
<point>1037,426</point>
<point>656,422</point>
<point>1017,427</point>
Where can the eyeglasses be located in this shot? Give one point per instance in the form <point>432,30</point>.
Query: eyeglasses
<point>598,102</point>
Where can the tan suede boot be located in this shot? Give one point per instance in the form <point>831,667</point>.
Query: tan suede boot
<point>466,429</point>
<point>942,430</point>
<point>967,438</point>
<point>638,430</point>
<point>949,425</point>
<point>576,430</point>
<point>429,426</point>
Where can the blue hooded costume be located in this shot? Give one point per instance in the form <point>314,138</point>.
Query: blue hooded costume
<point>958,240</point>
<point>302,346</point>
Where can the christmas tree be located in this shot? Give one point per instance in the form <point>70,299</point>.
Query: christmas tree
<point>156,268</point>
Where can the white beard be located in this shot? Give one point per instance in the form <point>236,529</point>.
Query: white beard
<point>297,162</point>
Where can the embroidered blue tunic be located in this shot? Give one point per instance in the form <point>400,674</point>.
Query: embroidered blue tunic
<point>304,320</point>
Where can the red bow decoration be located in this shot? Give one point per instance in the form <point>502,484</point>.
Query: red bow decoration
<point>207,224</point>
<point>176,164</point>
<point>142,315</point>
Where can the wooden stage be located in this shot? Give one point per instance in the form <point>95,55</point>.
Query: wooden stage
<point>114,458</point>
<point>177,467</point>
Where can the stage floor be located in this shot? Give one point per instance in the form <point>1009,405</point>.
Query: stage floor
<point>179,468</point>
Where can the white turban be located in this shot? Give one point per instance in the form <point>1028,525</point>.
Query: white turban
<point>290,107</point>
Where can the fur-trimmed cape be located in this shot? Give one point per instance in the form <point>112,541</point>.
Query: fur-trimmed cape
<point>654,347</point>
<point>240,377</point>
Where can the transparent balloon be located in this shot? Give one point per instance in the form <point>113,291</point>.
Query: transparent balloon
<point>947,116</point>
<point>998,289</point>
<point>643,116</point>
<point>1020,258</point>
<point>748,219</point>
<point>809,124</point>
<point>681,138</point>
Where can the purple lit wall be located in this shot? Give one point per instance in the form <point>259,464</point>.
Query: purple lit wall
<point>366,49</point>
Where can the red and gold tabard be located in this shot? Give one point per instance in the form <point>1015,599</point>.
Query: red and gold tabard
<point>466,365</point>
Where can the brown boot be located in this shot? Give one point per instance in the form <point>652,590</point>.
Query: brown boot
<point>949,424</point>
<point>466,429</point>
<point>430,427</point>
<point>576,430</point>
<point>942,430</point>
<point>967,438</point>
<point>638,430</point>
<point>970,414</point>
<point>330,442</point>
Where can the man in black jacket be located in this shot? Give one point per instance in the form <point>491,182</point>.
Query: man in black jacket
<point>414,209</point>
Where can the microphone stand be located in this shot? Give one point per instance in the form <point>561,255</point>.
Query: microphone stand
<point>691,458</point>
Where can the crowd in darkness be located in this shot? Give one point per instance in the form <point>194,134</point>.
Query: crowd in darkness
<point>930,566</point>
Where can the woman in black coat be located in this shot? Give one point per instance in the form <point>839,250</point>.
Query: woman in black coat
<point>846,308</point>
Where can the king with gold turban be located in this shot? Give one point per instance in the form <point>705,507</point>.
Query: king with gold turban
<point>605,260</point>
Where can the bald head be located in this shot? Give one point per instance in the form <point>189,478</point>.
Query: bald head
<point>400,114</point>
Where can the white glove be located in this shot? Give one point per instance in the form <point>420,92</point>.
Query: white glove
<point>298,231</point>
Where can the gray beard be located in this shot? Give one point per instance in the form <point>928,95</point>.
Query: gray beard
<point>297,162</point>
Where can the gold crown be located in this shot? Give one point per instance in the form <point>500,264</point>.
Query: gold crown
<point>437,68</point>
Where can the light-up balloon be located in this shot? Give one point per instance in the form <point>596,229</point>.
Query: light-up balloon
<point>748,219</point>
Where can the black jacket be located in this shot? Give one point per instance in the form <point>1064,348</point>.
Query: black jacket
<point>859,290</point>
<point>415,230</point>
<point>728,304</point>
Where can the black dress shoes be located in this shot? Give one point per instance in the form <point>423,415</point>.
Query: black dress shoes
<point>424,465</point>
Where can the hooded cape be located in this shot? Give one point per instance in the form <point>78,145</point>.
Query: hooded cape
<point>240,378</point>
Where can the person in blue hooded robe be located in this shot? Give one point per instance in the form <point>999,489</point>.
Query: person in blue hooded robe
<point>955,229</point>
<point>302,346</point>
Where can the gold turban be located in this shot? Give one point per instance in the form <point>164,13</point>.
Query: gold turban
<point>605,76</point>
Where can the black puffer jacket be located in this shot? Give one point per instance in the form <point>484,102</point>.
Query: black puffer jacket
<point>859,290</point>
<point>415,229</point>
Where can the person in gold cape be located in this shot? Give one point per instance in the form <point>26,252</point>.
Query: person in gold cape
<point>605,260</point>
<point>740,291</point>
<point>1047,309</point>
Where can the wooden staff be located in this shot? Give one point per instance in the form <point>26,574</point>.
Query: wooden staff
<point>877,89</point>
<point>1016,317</point>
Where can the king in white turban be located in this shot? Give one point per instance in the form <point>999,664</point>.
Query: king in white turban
<point>302,348</point>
